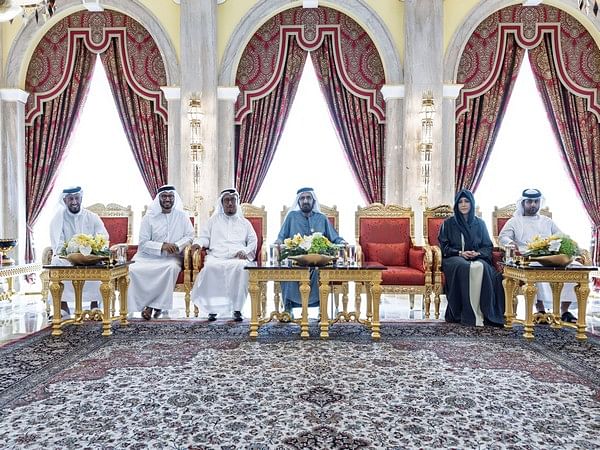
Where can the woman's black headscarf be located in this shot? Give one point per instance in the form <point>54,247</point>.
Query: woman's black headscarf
<point>467,225</point>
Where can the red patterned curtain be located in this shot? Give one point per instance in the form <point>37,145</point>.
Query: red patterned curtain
<point>259,133</point>
<point>477,129</point>
<point>47,138</point>
<point>146,132</point>
<point>359,131</point>
<point>577,132</point>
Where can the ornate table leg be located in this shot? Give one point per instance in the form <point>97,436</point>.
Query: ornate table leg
<point>304,293</point>
<point>509,292</point>
<point>358,287</point>
<point>582,290</point>
<point>323,296</point>
<point>254,291</point>
<point>56,289</point>
<point>530,291</point>
<point>556,290</point>
<point>436,299</point>
<point>105,290</point>
<point>123,287</point>
<point>375,289</point>
<point>78,289</point>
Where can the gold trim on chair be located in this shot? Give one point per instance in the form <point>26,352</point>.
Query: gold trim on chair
<point>435,212</point>
<point>391,211</point>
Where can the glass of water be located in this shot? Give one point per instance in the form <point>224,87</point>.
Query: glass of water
<point>274,254</point>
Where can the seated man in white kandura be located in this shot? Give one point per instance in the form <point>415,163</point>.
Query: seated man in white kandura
<point>164,233</point>
<point>230,240</point>
<point>69,220</point>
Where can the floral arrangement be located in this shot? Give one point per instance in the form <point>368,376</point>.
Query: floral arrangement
<point>552,245</point>
<point>303,245</point>
<point>87,244</point>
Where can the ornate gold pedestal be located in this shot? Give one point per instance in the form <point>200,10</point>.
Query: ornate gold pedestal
<point>368,276</point>
<point>258,277</point>
<point>78,275</point>
<point>556,277</point>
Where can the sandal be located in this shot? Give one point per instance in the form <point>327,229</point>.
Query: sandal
<point>147,313</point>
<point>157,313</point>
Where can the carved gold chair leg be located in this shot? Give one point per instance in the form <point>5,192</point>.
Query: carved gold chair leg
<point>427,304</point>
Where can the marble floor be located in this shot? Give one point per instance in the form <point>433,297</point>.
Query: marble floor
<point>25,313</point>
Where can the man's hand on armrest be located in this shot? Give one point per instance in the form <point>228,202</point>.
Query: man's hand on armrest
<point>170,248</point>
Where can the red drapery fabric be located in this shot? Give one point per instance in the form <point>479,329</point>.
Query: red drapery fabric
<point>477,129</point>
<point>259,133</point>
<point>361,135</point>
<point>577,132</point>
<point>146,132</point>
<point>47,138</point>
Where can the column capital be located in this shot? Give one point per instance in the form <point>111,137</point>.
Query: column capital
<point>228,93</point>
<point>392,91</point>
<point>14,95</point>
<point>171,92</point>
<point>451,90</point>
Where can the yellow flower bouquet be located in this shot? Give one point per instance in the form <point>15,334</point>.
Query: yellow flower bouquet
<point>316,243</point>
<point>87,244</point>
<point>552,245</point>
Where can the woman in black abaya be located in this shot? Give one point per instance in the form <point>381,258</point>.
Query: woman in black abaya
<point>473,287</point>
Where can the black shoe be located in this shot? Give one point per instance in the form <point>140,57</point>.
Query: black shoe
<point>93,304</point>
<point>237,316</point>
<point>568,317</point>
<point>157,313</point>
<point>212,317</point>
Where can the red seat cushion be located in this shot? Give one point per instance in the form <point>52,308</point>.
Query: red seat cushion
<point>388,254</point>
<point>401,275</point>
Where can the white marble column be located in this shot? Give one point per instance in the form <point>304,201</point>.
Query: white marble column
<point>444,189</point>
<point>198,27</point>
<point>12,148</point>
<point>173,96</point>
<point>423,50</point>
<point>227,97</point>
<point>394,155</point>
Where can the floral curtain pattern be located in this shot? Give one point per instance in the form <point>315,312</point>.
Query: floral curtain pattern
<point>146,131</point>
<point>47,138</point>
<point>259,133</point>
<point>359,131</point>
<point>358,77</point>
<point>477,129</point>
<point>577,132</point>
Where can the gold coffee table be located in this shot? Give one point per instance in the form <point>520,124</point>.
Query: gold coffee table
<point>107,275</point>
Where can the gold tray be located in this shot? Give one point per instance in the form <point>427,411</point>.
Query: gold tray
<point>313,259</point>
<point>78,259</point>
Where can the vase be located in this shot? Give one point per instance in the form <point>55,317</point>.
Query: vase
<point>313,259</point>
<point>78,259</point>
<point>559,260</point>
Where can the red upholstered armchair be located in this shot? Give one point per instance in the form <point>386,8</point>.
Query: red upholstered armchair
<point>118,221</point>
<point>257,216</point>
<point>432,222</point>
<point>185,279</point>
<point>385,235</point>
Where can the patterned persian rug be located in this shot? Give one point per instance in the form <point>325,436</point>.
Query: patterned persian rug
<point>194,385</point>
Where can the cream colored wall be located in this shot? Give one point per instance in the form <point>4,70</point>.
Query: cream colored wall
<point>232,11</point>
<point>455,12</point>
<point>166,12</point>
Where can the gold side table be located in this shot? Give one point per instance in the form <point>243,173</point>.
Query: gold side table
<point>13,271</point>
<point>556,276</point>
<point>107,275</point>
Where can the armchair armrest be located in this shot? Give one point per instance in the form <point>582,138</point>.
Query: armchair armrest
<point>436,253</point>
<point>131,251</point>
<point>198,259</point>
<point>187,257</point>
<point>359,254</point>
<point>47,255</point>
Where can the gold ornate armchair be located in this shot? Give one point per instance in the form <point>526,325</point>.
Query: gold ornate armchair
<point>337,288</point>
<point>385,236</point>
<point>433,218</point>
<point>118,221</point>
<point>257,216</point>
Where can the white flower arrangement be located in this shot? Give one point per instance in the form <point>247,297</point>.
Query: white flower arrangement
<point>87,244</point>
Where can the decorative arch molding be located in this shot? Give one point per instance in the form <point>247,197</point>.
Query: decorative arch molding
<point>29,35</point>
<point>575,52</point>
<point>52,63</point>
<point>362,13</point>
<point>309,28</point>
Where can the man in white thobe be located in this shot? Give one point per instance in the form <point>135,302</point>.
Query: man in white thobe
<point>230,243</point>
<point>164,233</point>
<point>72,219</point>
<point>521,229</point>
